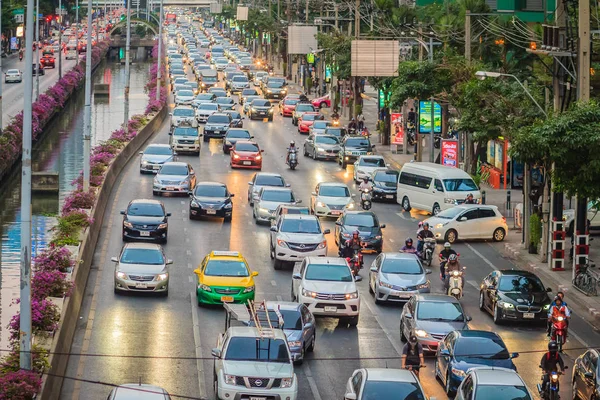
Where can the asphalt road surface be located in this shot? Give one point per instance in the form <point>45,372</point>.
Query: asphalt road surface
<point>170,333</point>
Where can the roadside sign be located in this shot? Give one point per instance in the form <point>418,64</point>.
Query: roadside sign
<point>397,133</point>
<point>450,152</point>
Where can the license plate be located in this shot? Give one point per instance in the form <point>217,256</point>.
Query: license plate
<point>144,233</point>
<point>211,211</point>
<point>156,167</point>
<point>226,299</point>
<point>247,163</point>
<point>170,188</point>
<point>275,95</point>
<point>336,212</point>
<point>330,309</point>
<point>257,398</point>
<point>217,132</point>
<point>528,315</point>
<point>141,286</point>
<point>389,196</point>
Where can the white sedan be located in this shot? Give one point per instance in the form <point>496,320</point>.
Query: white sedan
<point>13,75</point>
<point>366,165</point>
<point>469,221</point>
<point>184,97</point>
<point>330,199</point>
<point>383,383</point>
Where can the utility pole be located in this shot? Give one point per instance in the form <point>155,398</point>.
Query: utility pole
<point>59,38</point>
<point>468,36</point>
<point>1,48</point>
<point>336,8</point>
<point>355,79</point>
<point>420,32</point>
<point>432,133</point>
<point>87,110</point>
<point>306,12</point>
<point>37,48</point>
<point>76,31</point>
<point>127,77</point>
<point>160,45</point>
<point>25,275</point>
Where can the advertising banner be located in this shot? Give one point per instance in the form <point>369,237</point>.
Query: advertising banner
<point>425,117</point>
<point>397,127</point>
<point>14,45</point>
<point>450,152</point>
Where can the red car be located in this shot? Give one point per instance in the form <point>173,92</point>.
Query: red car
<point>321,102</point>
<point>287,106</point>
<point>307,120</point>
<point>47,61</point>
<point>246,154</point>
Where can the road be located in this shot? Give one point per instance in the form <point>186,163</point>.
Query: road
<point>12,93</point>
<point>171,333</point>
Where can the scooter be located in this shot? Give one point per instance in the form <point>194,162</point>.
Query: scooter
<point>365,199</point>
<point>410,137</point>
<point>292,159</point>
<point>355,262</point>
<point>550,391</point>
<point>427,252</point>
<point>335,122</point>
<point>455,284</point>
<point>559,331</point>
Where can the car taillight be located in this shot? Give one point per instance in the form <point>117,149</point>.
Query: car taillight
<point>504,219</point>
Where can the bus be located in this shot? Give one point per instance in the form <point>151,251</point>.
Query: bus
<point>171,18</point>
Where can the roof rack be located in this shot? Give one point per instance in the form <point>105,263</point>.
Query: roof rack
<point>254,314</point>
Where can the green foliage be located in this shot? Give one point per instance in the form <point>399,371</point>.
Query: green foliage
<point>140,30</point>
<point>10,363</point>
<point>535,230</point>
<point>420,80</point>
<point>336,48</point>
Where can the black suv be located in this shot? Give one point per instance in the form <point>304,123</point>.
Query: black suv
<point>352,148</point>
<point>260,108</point>
<point>145,220</point>
<point>217,126</point>
<point>275,89</point>
<point>211,199</point>
<point>366,223</point>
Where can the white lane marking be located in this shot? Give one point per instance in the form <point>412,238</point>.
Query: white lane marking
<point>183,211</point>
<point>474,284</point>
<point>188,252</point>
<point>182,202</point>
<point>387,333</point>
<point>391,240</point>
<point>485,260</point>
<point>279,298</point>
<point>189,265</point>
<point>311,382</point>
<point>197,343</point>
<point>185,229</point>
<point>191,279</point>
<point>273,283</point>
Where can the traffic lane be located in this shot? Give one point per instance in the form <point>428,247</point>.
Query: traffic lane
<point>142,325</point>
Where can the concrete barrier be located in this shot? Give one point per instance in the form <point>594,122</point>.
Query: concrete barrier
<point>63,337</point>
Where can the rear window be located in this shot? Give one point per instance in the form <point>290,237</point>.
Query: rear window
<point>254,349</point>
<point>269,180</point>
<point>372,162</point>
<point>238,134</point>
<point>218,119</point>
<point>304,107</point>
<point>501,392</point>
<point>246,147</point>
<point>311,117</point>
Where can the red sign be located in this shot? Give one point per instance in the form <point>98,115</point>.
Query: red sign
<point>397,127</point>
<point>450,153</point>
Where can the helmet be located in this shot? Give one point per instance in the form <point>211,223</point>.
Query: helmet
<point>470,195</point>
<point>366,179</point>
<point>452,258</point>
<point>558,298</point>
<point>420,224</point>
<point>292,143</point>
<point>409,240</point>
<point>552,346</point>
<point>355,233</point>
<point>425,224</point>
<point>447,245</point>
<point>412,339</point>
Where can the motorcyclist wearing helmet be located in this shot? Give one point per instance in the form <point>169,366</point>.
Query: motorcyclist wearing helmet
<point>365,184</point>
<point>303,98</point>
<point>422,235</point>
<point>549,362</point>
<point>564,303</point>
<point>558,309</point>
<point>451,266</point>
<point>289,150</point>
<point>412,355</point>
<point>351,245</point>
<point>470,199</point>
<point>444,255</point>
<point>352,125</point>
<point>408,246</point>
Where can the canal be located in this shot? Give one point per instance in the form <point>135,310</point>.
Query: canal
<point>60,150</point>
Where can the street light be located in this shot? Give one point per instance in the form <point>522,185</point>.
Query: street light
<point>481,75</point>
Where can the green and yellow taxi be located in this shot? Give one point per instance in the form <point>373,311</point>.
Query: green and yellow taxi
<point>224,277</point>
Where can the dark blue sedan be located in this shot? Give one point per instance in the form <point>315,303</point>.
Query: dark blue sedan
<point>462,350</point>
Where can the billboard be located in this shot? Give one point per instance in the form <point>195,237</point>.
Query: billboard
<point>302,39</point>
<point>375,57</point>
<point>216,8</point>
<point>425,117</point>
<point>450,152</point>
<point>397,127</point>
<point>242,13</point>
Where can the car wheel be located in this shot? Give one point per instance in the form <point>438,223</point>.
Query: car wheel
<point>451,236</point>
<point>216,387</point>
<point>352,322</point>
<point>344,164</point>
<point>305,153</point>
<point>166,293</point>
<point>292,295</point>
<point>322,105</point>
<point>481,301</point>
<point>371,289</point>
<point>379,249</point>
<point>205,139</point>
<point>301,360</point>
<point>272,252</point>
<point>191,216</point>
<point>311,348</point>
<point>277,264</point>
<point>154,193</point>
<point>402,335</point>
<point>271,119</point>
<point>314,154</point>
<point>436,209</point>
<point>499,235</point>
<point>574,391</point>
<point>497,318</point>
<point>227,219</point>
<point>406,204</point>
<point>448,382</point>
<point>377,301</point>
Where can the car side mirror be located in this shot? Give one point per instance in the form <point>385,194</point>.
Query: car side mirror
<point>216,353</point>
<point>428,271</point>
<point>197,271</point>
<point>122,212</point>
<point>462,219</point>
<point>114,259</point>
<point>382,226</point>
<point>314,193</point>
<point>171,114</point>
<point>251,137</point>
<point>273,229</point>
<point>169,262</point>
<point>326,231</point>
<point>350,396</point>
<point>262,151</point>
<point>353,195</point>
<point>373,269</point>
<point>514,355</point>
<point>549,290</point>
<point>338,223</point>
<point>357,278</point>
<point>141,153</point>
<point>372,146</point>
<point>168,214</point>
<point>254,273</point>
<point>589,375</point>
<point>232,195</point>
<point>191,193</point>
<point>490,287</point>
<point>444,353</point>
<point>469,318</point>
<point>250,183</point>
<point>296,276</point>
<point>298,201</point>
<point>408,315</point>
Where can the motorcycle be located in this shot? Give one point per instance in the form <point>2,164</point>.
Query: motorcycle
<point>559,331</point>
<point>427,252</point>
<point>455,284</point>
<point>364,132</point>
<point>335,121</point>
<point>365,199</point>
<point>292,159</point>
<point>355,262</point>
<point>550,390</point>
<point>415,369</point>
<point>411,136</point>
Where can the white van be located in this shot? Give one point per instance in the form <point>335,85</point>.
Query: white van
<point>433,187</point>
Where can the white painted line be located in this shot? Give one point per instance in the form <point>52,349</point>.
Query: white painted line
<point>474,284</point>
<point>396,346</point>
<point>183,211</point>
<point>273,283</point>
<point>189,265</point>
<point>391,240</point>
<point>485,260</point>
<point>182,202</point>
<point>191,279</point>
<point>279,298</point>
<point>185,229</point>
<point>197,343</point>
<point>188,252</point>
<point>311,382</point>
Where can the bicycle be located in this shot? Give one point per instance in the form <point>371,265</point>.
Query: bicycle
<point>585,281</point>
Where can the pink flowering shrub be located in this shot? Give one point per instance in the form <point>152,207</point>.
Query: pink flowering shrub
<point>103,157</point>
<point>44,318</point>
<point>78,199</point>
<point>53,259</point>
<point>19,385</point>
<point>39,360</point>
<point>50,284</point>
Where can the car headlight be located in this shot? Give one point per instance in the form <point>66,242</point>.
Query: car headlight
<point>127,224</point>
<point>287,382</point>
<point>350,206</point>
<point>228,205</point>
<point>308,293</point>
<point>156,181</point>
<point>421,333</point>
<point>295,343</point>
<point>385,284</point>
<point>505,305</point>
<point>424,285</point>
<point>194,203</point>
<point>449,201</point>
<point>197,141</point>
<point>281,243</point>
<point>353,295</point>
<point>546,307</point>
<point>322,245</point>
<point>228,143</point>
<point>185,182</point>
<point>144,162</point>
<point>229,379</point>
<point>269,91</point>
<point>163,225</point>
<point>249,289</point>
<point>270,111</point>
<point>378,237</point>
<point>439,226</point>
<point>204,287</point>
<point>459,372</point>
<point>162,277</point>
<point>320,204</point>
<point>121,275</point>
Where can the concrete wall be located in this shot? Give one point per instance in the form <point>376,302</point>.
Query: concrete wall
<point>63,337</point>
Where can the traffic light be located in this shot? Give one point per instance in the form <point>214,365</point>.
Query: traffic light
<point>122,17</point>
<point>533,45</point>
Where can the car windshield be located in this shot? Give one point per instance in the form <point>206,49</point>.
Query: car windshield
<point>146,209</point>
<point>439,311</point>
<point>327,140</point>
<point>290,102</point>
<point>225,100</point>
<point>366,220</point>
<point>218,119</point>
<point>320,124</point>
<point>208,106</point>
<point>300,226</point>
<point>521,284</point>
<point>209,79</point>
<point>339,132</point>
<point>158,150</point>
<point>377,390</point>
<point>358,142</point>
<point>304,107</point>
<point>240,79</point>
<point>334,191</point>
<point>210,191</point>
<point>269,180</point>
<point>173,170</point>
<point>283,196</point>
<point>328,272</point>
<point>460,185</point>
<point>250,99</point>
<point>502,392</point>
<point>408,266</point>
<point>183,112</point>
<point>490,348</point>
<point>185,132</point>
<point>275,84</point>
<point>245,146</point>
<point>249,92</point>
<point>142,256</point>
<point>238,134</point>
<point>205,96</point>
<point>261,103</point>
<point>386,176</point>
<point>311,117</point>
<point>450,213</point>
<point>372,162</point>
<point>243,348</point>
<point>292,319</point>
<point>226,268</point>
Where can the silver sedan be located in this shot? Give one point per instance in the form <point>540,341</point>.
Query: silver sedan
<point>321,146</point>
<point>13,75</point>
<point>174,177</point>
<point>397,276</point>
<point>142,267</point>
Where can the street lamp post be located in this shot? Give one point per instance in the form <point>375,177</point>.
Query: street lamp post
<point>37,49</point>
<point>59,39</point>
<point>160,45</point>
<point>87,110</point>
<point>127,77</point>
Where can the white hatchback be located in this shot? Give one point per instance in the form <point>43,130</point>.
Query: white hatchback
<point>13,75</point>
<point>366,165</point>
<point>330,199</point>
<point>469,221</point>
